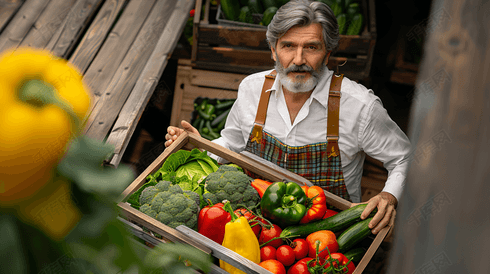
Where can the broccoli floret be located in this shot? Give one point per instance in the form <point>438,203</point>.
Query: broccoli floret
<point>171,206</point>
<point>193,195</point>
<point>228,183</point>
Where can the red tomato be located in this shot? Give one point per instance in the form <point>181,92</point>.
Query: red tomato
<point>267,253</point>
<point>338,260</point>
<point>256,228</point>
<point>300,248</point>
<point>285,255</point>
<point>268,234</point>
<point>273,266</point>
<point>329,213</point>
<point>300,267</point>
<point>325,238</point>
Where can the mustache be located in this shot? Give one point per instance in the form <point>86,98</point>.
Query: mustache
<point>295,68</point>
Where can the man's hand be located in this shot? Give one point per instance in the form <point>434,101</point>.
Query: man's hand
<point>174,132</point>
<point>386,203</point>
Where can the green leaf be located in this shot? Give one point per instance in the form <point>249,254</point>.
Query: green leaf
<point>83,164</point>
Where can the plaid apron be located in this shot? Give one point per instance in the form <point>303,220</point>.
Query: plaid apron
<point>319,162</point>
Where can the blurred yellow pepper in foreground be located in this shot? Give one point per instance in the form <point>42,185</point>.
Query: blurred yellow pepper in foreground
<point>43,103</point>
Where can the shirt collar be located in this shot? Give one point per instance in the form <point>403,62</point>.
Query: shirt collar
<point>319,93</point>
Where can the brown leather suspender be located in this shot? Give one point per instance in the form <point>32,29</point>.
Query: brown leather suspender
<point>333,115</point>
<point>262,108</point>
<point>333,109</point>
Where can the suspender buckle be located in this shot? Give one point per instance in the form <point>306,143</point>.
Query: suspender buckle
<point>257,133</point>
<point>332,138</point>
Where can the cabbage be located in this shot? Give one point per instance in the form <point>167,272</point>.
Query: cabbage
<point>187,168</point>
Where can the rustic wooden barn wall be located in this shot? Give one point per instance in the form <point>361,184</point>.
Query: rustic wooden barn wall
<point>443,220</point>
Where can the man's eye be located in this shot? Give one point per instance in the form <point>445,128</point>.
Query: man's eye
<point>311,47</point>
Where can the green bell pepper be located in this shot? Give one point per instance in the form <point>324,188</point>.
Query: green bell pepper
<point>284,203</point>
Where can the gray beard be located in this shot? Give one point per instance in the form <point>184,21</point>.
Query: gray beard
<point>299,84</point>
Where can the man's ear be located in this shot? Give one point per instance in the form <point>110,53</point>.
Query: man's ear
<point>328,57</point>
<point>273,53</point>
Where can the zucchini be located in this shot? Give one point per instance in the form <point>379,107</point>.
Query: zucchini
<point>355,254</point>
<point>269,3</point>
<point>335,223</point>
<point>354,234</point>
<point>268,15</point>
<point>355,25</point>
<point>255,6</point>
<point>245,15</point>
<point>231,9</point>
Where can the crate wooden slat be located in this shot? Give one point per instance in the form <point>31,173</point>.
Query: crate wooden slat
<point>189,141</point>
<point>245,49</point>
<point>193,83</point>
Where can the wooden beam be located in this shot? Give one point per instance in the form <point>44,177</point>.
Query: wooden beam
<point>8,8</point>
<point>107,108</point>
<point>443,217</point>
<point>21,23</point>
<point>115,46</point>
<point>47,24</point>
<point>96,34</point>
<point>64,40</point>
<point>145,86</point>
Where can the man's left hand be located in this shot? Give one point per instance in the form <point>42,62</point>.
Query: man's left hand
<point>386,203</point>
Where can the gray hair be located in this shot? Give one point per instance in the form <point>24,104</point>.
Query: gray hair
<point>303,13</point>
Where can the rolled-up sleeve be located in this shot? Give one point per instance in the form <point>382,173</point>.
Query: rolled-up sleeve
<point>381,138</point>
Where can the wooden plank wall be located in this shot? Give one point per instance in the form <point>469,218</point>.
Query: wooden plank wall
<point>443,217</point>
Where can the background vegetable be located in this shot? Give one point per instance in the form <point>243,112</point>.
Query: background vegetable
<point>210,115</point>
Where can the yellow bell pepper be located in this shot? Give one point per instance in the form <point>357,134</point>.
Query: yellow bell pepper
<point>240,238</point>
<point>43,103</point>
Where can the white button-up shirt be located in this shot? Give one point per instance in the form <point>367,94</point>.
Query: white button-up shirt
<point>364,127</point>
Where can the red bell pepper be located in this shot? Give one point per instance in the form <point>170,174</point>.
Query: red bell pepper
<point>316,204</point>
<point>212,221</point>
<point>260,185</point>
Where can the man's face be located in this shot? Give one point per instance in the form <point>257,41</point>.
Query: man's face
<point>301,57</point>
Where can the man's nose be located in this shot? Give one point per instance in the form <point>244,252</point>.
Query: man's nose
<point>299,58</point>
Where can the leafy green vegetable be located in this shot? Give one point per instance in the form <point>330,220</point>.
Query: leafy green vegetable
<point>188,169</point>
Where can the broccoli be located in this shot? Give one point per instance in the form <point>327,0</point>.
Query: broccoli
<point>229,183</point>
<point>170,205</point>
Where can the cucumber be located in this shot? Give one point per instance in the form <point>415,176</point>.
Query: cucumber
<point>355,25</point>
<point>336,223</point>
<point>355,254</point>
<point>342,21</point>
<point>255,6</point>
<point>231,9</point>
<point>268,15</point>
<point>353,235</point>
<point>245,15</point>
<point>269,3</point>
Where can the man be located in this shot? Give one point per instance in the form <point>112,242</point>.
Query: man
<point>299,124</point>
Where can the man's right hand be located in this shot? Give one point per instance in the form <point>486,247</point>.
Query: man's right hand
<point>174,132</point>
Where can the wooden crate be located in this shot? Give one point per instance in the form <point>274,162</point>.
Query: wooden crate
<point>245,49</point>
<point>193,83</point>
<point>185,235</point>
